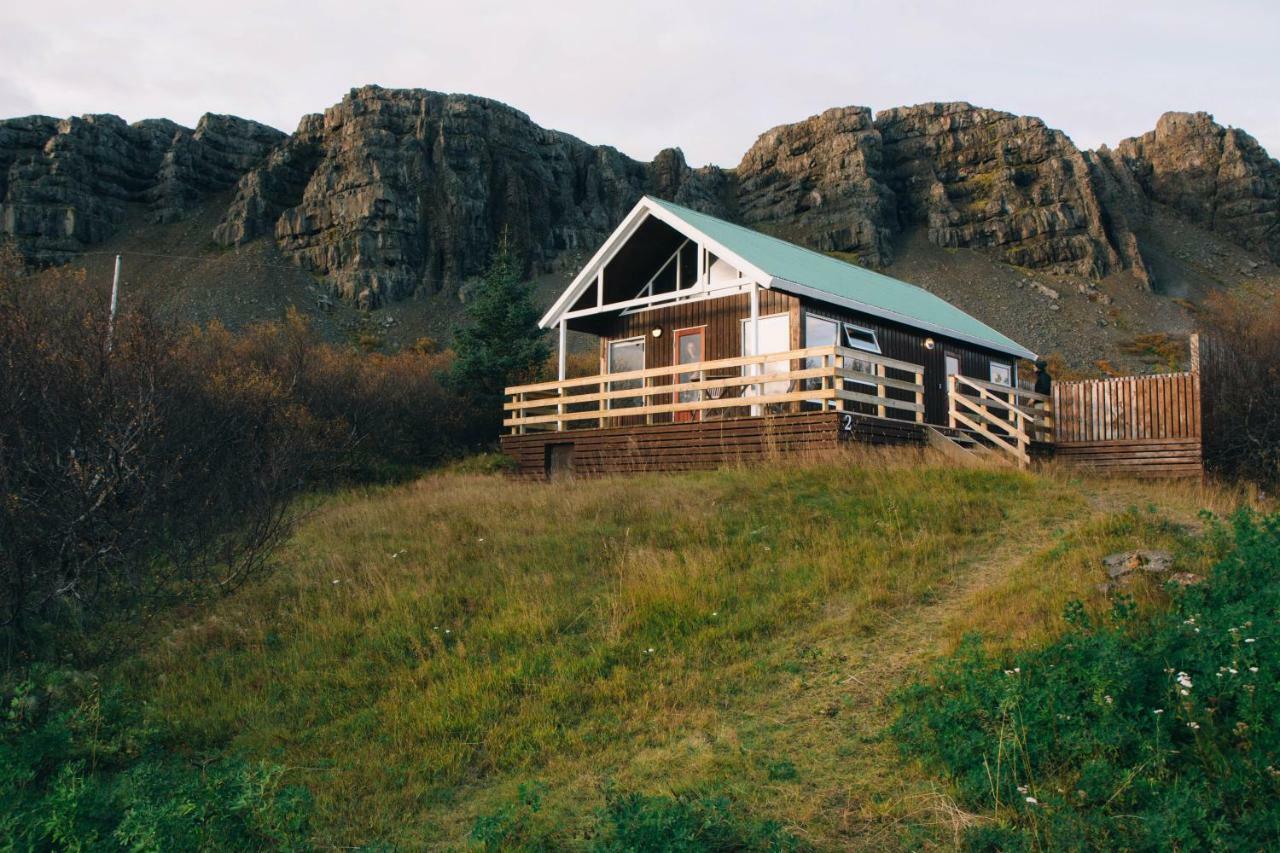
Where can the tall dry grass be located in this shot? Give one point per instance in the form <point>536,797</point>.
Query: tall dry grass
<point>429,648</point>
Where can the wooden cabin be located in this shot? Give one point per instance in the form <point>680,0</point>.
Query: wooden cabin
<point>719,343</point>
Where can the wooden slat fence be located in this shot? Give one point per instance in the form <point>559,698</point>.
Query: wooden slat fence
<point>1131,424</point>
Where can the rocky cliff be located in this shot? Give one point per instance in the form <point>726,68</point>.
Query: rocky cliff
<point>391,192</point>
<point>1217,177</point>
<point>67,183</point>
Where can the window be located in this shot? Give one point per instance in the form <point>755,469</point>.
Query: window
<point>1001,374</point>
<point>818,332</point>
<point>859,338</point>
<point>625,356</point>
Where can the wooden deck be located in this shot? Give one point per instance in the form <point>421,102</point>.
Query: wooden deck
<point>698,445</point>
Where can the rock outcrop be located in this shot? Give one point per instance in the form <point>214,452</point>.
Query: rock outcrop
<point>981,178</point>
<point>395,190</point>
<point>67,183</point>
<point>820,182</point>
<point>1217,177</point>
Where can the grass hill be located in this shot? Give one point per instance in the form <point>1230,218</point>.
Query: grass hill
<point>464,658</point>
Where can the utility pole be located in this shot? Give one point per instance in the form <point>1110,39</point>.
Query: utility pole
<point>115,301</point>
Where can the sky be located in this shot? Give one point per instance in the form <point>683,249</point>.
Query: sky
<point>705,77</point>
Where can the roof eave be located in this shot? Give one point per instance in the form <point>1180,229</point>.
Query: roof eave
<point>907,320</point>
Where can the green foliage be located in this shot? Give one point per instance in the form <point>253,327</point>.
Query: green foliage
<point>1127,732</point>
<point>501,343</point>
<point>635,822</point>
<point>80,770</point>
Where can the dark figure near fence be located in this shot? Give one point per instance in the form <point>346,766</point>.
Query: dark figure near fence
<point>1044,384</point>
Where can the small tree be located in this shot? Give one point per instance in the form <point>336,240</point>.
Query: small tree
<point>501,342</point>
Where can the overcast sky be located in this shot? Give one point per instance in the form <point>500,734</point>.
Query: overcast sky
<point>708,77</point>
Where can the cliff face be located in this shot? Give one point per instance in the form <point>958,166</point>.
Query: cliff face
<point>1217,177</point>
<point>980,178</point>
<point>66,183</point>
<point>393,191</point>
<point>821,182</point>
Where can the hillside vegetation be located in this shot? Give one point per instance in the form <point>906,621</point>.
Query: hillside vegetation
<point>466,660</point>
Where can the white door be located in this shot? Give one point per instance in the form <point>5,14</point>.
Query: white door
<point>775,336</point>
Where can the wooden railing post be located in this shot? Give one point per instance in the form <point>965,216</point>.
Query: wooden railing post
<point>951,401</point>
<point>560,408</point>
<point>880,388</point>
<point>919,380</point>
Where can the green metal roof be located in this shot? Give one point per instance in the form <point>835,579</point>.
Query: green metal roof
<point>809,273</point>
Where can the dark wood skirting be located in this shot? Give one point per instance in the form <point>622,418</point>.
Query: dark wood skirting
<point>1159,457</point>
<point>697,445</point>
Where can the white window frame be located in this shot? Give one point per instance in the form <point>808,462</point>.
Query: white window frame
<point>608,363</point>
<point>991,373</point>
<point>854,343</point>
<point>872,346</point>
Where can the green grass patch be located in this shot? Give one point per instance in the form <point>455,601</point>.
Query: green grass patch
<point>431,656</point>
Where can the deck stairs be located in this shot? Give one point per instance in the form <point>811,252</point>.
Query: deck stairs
<point>964,446</point>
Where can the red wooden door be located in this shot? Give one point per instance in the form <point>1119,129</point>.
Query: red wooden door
<point>689,349</point>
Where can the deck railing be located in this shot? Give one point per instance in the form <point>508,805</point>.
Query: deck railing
<point>1009,419</point>
<point>832,377</point>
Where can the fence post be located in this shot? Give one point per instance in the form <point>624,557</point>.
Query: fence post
<point>951,401</point>
<point>920,398</point>
<point>880,372</point>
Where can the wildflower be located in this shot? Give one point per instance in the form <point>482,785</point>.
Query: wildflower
<point>337,580</point>
<point>1194,726</point>
<point>1233,670</point>
<point>481,539</point>
<point>1108,699</point>
<point>1032,800</point>
<point>1250,639</point>
<point>1022,789</point>
<point>1158,711</point>
<point>448,631</point>
<point>1253,669</point>
<point>1184,680</point>
<point>1185,692</point>
<point>715,612</point>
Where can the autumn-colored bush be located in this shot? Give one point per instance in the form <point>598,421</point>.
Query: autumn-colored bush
<point>1240,378</point>
<point>148,463</point>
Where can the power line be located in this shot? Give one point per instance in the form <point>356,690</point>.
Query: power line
<point>205,259</point>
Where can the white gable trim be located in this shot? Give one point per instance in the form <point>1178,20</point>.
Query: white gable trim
<point>644,208</point>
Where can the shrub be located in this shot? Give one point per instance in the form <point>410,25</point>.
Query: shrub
<point>132,474</point>
<point>80,770</point>
<point>161,467</point>
<point>1240,379</point>
<point>1128,732</point>
<point>635,822</point>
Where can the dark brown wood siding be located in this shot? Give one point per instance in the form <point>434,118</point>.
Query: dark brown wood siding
<point>723,317</point>
<point>907,344</point>
<point>698,445</point>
